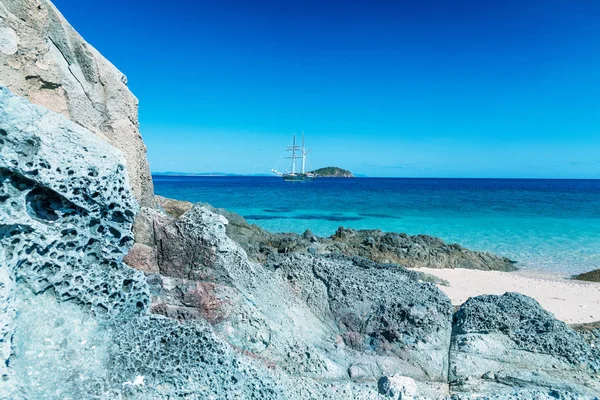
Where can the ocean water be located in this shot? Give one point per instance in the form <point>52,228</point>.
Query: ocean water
<point>544,225</point>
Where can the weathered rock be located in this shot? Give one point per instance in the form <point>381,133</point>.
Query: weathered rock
<point>500,343</point>
<point>398,387</point>
<point>174,208</point>
<point>66,215</point>
<point>421,251</point>
<point>302,313</point>
<point>43,59</point>
<point>591,276</point>
<point>590,333</point>
<point>143,258</point>
<point>81,330</point>
<point>383,314</point>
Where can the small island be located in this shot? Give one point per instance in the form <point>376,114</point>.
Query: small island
<point>332,172</point>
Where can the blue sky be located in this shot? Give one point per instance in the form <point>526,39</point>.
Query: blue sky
<point>384,88</point>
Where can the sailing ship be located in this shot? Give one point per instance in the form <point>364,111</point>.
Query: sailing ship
<point>297,152</point>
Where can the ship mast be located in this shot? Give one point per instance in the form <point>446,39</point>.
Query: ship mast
<point>303,154</point>
<point>294,156</point>
<point>293,148</point>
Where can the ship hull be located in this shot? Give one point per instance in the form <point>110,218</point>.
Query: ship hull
<point>298,178</point>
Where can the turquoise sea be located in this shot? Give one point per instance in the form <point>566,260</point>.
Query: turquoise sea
<point>546,225</point>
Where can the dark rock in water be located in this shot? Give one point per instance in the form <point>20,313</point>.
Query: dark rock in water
<point>504,342</point>
<point>419,251</point>
<point>591,276</point>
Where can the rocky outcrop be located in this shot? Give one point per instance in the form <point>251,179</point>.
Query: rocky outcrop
<point>66,215</point>
<point>504,343</point>
<point>421,251</point>
<point>75,321</point>
<point>591,276</point>
<point>43,59</point>
<point>202,319</point>
<point>327,318</point>
<point>355,320</point>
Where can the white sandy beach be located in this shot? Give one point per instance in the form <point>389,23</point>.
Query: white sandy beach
<point>571,301</point>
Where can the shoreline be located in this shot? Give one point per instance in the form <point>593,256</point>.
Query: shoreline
<point>571,301</point>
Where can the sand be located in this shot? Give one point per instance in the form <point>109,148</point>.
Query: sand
<point>571,301</point>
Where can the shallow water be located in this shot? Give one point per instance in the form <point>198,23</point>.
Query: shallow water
<point>547,225</point>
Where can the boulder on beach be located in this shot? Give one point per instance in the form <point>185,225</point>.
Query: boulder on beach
<point>500,343</point>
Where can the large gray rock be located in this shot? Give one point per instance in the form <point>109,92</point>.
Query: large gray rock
<point>500,343</point>
<point>74,321</point>
<point>43,59</point>
<point>328,318</point>
<point>66,215</point>
<point>389,322</point>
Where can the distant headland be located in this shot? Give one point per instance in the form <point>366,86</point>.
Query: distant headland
<point>333,172</point>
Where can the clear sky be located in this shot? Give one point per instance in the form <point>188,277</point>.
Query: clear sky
<point>419,88</point>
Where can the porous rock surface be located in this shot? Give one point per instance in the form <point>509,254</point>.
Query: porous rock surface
<point>74,321</point>
<point>43,59</point>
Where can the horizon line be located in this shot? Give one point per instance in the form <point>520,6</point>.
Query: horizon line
<point>359,176</point>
